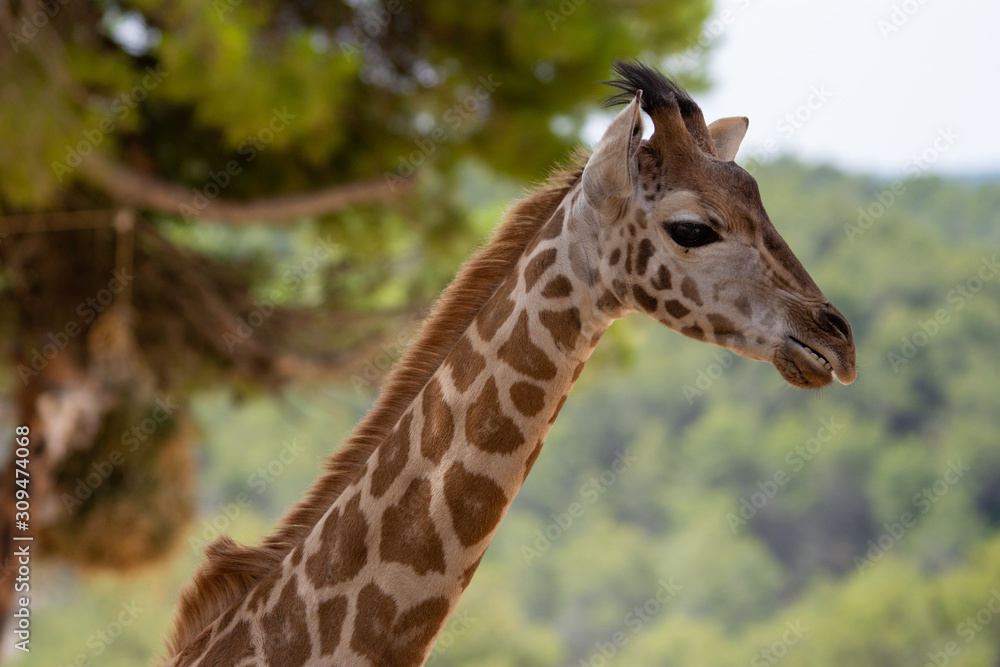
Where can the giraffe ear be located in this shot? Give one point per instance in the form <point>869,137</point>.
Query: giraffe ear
<point>727,135</point>
<point>612,169</point>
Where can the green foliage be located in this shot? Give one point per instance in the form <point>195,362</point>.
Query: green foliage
<point>370,88</point>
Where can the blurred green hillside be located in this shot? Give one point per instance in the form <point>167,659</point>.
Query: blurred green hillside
<point>688,507</point>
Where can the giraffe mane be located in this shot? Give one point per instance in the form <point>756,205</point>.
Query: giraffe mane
<point>231,571</point>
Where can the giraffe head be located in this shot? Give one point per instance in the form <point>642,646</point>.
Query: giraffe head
<point>680,233</point>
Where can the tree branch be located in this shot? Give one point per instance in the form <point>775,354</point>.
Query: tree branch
<point>137,189</point>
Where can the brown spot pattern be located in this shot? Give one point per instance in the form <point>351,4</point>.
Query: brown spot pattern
<point>523,355</point>
<point>676,308</point>
<point>331,623</point>
<point>497,310</point>
<point>644,299</point>
<point>392,456</point>
<point>387,640</point>
<point>564,325</point>
<point>608,301</point>
<point>642,256</point>
<point>286,635</point>
<point>195,649</point>
<point>615,257</point>
<point>722,326</point>
<point>487,428</point>
<point>342,552</point>
<point>694,331</point>
<point>439,425</point>
<point>529,464</point>
<point>661,281</point>
<point>578,370</point>
<point>558,287</point>
<point>466,364</point>
<point>409,535</point>
<point>554,226</point>
<point>537,267</point>
<point>551,229</point>
<point>467,575</point>
<point>297,554</point>
<point>231,648</point>
<point>414,630</point>
<point>262,592</point>
<point>528,398</point>
<point>227,618</point>
<point>742,304</point>
<point>372,635</point>
<point>628,258</point>
<point>555,413</point>
<point>476,503</point>
<point>690,290</point>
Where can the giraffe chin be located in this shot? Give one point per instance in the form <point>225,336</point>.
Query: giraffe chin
<point>801,366</point>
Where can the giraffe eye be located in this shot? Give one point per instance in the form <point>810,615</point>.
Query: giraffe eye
<point>691,234</point>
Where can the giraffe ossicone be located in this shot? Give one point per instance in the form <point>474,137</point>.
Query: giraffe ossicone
<point>366,570</point>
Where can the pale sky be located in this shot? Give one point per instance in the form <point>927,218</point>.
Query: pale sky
<point>887,87</point>
<point>887,79</point>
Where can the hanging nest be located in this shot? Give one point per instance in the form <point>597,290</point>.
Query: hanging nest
<point>98,321</point>
<point>127,501</point>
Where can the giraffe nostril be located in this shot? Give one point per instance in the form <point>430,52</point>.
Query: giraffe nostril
<point>834,323</point>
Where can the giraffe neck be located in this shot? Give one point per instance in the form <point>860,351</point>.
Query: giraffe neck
<point>437,489</point>
<point>377,577</point>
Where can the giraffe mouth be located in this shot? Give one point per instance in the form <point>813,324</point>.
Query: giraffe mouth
<point>814,355</point>
<point>802,366</point>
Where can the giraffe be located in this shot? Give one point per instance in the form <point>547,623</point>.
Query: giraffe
<point>367,569</point>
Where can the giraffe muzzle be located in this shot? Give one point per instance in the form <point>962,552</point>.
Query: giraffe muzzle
<point>810,364</point>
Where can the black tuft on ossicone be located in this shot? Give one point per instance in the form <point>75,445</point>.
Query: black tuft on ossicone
<point>658,90</point>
